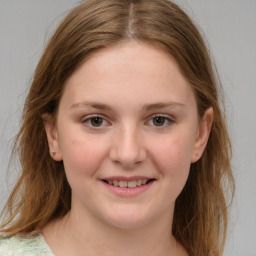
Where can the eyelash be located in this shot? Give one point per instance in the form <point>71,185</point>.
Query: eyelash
<point>88,119</point>
<point>167,120</point>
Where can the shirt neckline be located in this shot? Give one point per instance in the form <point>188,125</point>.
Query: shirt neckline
<point>44,243</point>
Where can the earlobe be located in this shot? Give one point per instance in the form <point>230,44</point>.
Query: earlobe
<point>203,135</point>
<point>52,137</point>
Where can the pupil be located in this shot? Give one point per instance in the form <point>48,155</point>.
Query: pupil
<point>97,121</point>
<point>158,121</point>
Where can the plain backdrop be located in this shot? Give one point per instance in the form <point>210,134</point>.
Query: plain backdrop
<point>230,29</point>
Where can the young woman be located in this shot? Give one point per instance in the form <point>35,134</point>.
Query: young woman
<point>123,147</point>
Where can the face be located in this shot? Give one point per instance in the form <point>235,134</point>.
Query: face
<point>127,130</point>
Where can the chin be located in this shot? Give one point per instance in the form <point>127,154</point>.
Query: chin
<point>128,219</point>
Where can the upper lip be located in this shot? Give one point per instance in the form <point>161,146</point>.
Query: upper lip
<point>128,178</point>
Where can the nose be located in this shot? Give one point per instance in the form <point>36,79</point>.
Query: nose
<point>127,148</point>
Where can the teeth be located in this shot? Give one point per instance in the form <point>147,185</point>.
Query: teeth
<point>122,184</point>
<point>127,184</point>
<point>116,183</point>
<point>132,184</point>
<point>138,182</point>
<point>144,182</point>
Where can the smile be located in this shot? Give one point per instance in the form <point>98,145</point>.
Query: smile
<point>128,184</point>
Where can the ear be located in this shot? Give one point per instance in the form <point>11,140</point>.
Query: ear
<point>204,130</point>
<point>52,137</point>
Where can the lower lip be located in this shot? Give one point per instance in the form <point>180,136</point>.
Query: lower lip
<point>128,192</point>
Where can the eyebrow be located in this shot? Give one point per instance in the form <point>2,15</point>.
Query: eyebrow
<point>163,105</point>
<point>146,107</point>
<point>92,105</point>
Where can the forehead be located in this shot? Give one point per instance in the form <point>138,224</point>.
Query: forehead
<point>130,70</point>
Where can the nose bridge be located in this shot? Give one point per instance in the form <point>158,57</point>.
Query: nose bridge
<point>127,146</point>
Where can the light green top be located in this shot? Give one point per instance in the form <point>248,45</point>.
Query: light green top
<point>21,246</point>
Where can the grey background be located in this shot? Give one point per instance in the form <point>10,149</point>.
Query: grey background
<point>230,28</point>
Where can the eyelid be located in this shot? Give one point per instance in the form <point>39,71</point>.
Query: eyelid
<point>162,115</point>
<point>87,117</point>
<point>167,116</point>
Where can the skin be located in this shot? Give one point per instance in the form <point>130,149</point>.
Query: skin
<point>149,126</point>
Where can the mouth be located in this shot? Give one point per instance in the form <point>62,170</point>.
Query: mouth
<point>128,184</point>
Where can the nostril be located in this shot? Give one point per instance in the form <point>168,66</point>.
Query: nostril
<point>127,151</point>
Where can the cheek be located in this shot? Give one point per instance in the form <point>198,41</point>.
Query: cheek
<point>176,149</point>
<point>172,159</point>
<point>82,155</point>
<point>172,156</point>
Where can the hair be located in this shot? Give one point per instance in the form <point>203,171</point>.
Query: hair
<point>42,193</point>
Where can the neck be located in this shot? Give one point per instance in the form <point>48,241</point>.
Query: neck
<point>93,237</point>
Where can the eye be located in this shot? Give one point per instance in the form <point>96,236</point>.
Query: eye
<point>95,121</point>
<point>160,121</point>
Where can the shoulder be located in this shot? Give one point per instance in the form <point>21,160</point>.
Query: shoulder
<point>22,246</point>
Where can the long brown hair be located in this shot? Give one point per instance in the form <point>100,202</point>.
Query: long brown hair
<point>42,192</point>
